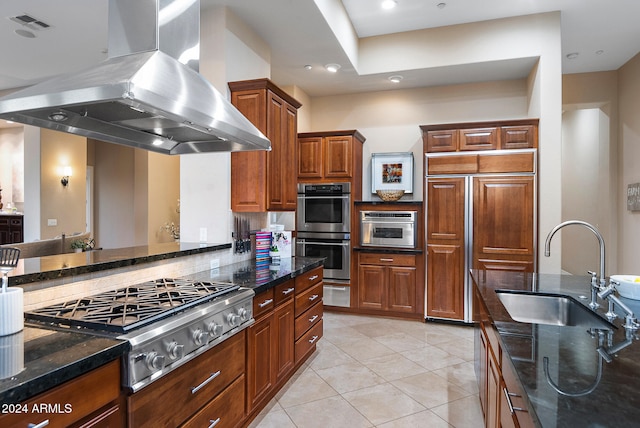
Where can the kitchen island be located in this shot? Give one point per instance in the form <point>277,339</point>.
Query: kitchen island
<point>55,356</point>
<point>579,388</point>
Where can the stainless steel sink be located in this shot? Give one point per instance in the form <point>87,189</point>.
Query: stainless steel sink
<point>550,309</point>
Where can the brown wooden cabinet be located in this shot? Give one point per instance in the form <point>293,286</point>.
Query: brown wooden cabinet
<point>265,181</point>
<point>501,395</point>
<point>214,372</point>
<point>505,135</point>
<point>388,282</point>
<point>329,156</point>
<point>11,229</point>
<point>478,198</point>
<point>91,400</point>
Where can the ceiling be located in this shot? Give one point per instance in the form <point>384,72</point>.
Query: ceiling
<point>605,33</point>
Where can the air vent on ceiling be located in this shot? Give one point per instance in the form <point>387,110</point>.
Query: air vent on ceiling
<point>30,22</point>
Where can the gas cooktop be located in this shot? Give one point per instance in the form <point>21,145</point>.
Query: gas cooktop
<point>128,308</point>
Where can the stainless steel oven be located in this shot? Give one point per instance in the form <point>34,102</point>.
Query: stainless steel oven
<point>324,207</point>
<point>395,229</point>
<point>334,246</point>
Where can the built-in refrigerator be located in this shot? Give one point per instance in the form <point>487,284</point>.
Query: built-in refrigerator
<point>480,214</point>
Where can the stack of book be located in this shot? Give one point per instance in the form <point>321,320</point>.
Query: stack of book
<point>263,243</point>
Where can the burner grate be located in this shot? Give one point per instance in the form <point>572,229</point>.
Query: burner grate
<point>128,308</point>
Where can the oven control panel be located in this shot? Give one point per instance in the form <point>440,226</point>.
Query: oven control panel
<point>158,349</point>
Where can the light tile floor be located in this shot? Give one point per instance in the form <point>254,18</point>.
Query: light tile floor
<point>381,372</point>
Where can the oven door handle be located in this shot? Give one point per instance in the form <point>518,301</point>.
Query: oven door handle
<point>341,196</point>
<point>305,241</point>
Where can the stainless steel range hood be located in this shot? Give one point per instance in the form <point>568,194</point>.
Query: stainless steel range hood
<point>142,96</point>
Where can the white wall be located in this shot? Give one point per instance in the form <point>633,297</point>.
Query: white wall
<point>205,178</point>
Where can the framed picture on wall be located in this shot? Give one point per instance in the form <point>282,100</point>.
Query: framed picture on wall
<point>392,171</point>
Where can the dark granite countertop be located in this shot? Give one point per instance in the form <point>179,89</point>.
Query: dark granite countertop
<point>63,265</point>
<point>49,358</point>
<point>52,357</point>
<point>260,278</point>
<point>581,399</point>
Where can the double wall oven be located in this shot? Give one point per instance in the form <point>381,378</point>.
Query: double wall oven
<point>324,230</point>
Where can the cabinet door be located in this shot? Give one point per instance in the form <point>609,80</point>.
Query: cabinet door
<point>503,221</point>
<point>285,341</point>
<point>442,141</point>
<point>445,248</point>
<point>249,169</point>
<point>445,282</point>
<point>479,139</point>
<point>518,137</point>
<point>402,289</point>
<point>338,157</point>
<point>493,389</point>
<point>371,286</point>
<point>282,131</point>
<point>310,158</point>
<point>260,360</point>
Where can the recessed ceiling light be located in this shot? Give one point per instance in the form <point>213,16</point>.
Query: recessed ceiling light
<point>25,33</point>
<point>395,78</point>
<point>332,67</point>
<point>389,4</point>
<point>441,5</point>
<point>308,67</point>
<point>599,52</point>
<point>573,55</point>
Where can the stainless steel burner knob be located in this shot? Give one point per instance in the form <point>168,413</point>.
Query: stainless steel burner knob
<point>233,319</point>
<point>215,329</point>
<point>200,337</point>
<point>242,313</point>
<point>176,351</point>
<point>154,361</point>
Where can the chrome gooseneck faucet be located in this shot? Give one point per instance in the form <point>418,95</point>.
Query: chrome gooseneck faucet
<point>595,284</point>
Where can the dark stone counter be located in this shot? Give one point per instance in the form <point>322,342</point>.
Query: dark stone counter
<point>37,269</point>
<point>52,357</point>
<point>579,398</point>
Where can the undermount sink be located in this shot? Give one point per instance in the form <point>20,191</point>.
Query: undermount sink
<point>550,309</point>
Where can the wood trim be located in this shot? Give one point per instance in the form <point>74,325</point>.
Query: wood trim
<point>264,84</point>
<point>351,132</point>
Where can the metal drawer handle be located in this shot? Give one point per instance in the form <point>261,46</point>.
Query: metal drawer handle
<point>313,339</point>
<point>313,318</point>
<point>209,379</point>
<point>285,292</point>
<point>313,278</point>
<point>508,396</point>
<point>314,297</point>
<point>40,425</point>
<point>214,423</point>
<point>386,260</point>
<point>265,303</point>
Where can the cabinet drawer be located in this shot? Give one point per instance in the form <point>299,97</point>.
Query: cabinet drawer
<point>308,298</point>
<point>263,303</point>
<point>388,259</point>
<point>189,387</point>
<point>518,137</point>
<point>308,341</point>
<point>78,398</point>
<point>227,408</point>
<point>518,162</point>
<point>308,319</point>
<point>479,139</point>
<point>307,279</point>
<point>284,292</point>
<point>5,221</point>
<point>456,164</point>
<point>442,141</point>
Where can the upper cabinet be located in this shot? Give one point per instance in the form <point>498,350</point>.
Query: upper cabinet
<point>517,134</point>
<point>265,181</point>
<point>329,156</point>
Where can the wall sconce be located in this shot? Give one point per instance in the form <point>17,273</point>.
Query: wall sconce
<point>66,173</point>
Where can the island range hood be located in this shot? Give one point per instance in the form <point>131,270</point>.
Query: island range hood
<point>148,94</point>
